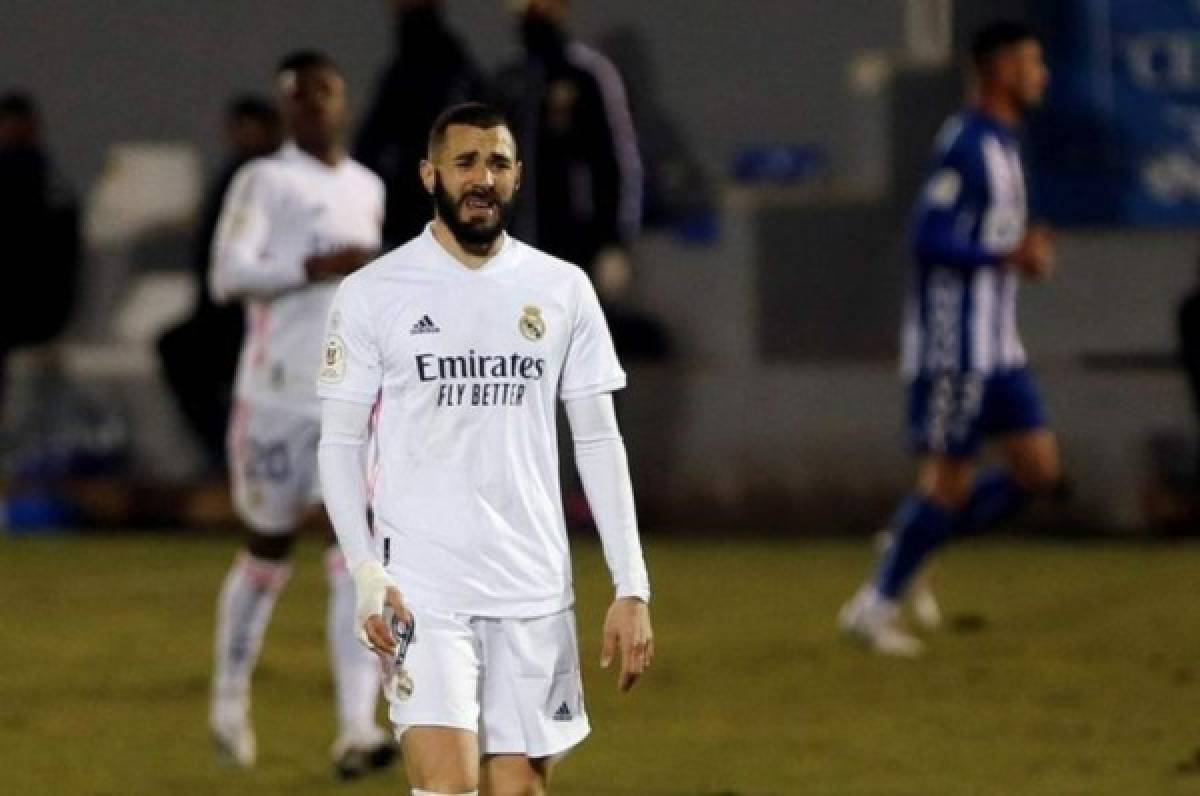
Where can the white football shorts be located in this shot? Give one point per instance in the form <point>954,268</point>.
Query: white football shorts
<point>273,466</point>
<point>514,682</point>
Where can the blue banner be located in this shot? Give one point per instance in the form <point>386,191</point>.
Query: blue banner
<point>1118,140</point>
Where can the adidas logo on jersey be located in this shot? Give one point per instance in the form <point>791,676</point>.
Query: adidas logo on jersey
<point>424,326</point>
<point>563,713</point>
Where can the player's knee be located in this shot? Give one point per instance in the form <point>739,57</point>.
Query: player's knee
<point>272,547</point>
<point>446,786</point>
<point>531,786</point>
<point>949,497</point>
<point>1040,477</point>
<point>949,489</point>
<point>517,776</point>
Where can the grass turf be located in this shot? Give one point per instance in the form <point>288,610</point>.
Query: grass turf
<point>1069,668</point>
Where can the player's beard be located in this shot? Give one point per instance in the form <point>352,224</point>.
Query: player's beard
<point>474,236</point>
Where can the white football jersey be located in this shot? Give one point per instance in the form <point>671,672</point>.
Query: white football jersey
<point>279,211</point>
<point>464,368</point>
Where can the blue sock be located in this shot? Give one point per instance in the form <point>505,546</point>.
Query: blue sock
<point>921,527</point>
<point>995,498</point>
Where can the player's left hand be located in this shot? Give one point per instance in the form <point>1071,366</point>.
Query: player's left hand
<point>627,632</point>
<point>612,274</point>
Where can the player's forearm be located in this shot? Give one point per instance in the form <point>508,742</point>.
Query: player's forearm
<point>604,470</point>
<point>341,460</point>
<point>236,274</point>
<point>938,242</point>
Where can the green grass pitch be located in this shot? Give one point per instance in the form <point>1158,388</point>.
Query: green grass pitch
<point>1074,669</point>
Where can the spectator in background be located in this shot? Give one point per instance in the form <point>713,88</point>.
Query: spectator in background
<point>1189,349</point>
<point>431,71</point>
<point>39,229</point>
<point>199,354</point>
<point>581,194</point>
<point>676,191</point>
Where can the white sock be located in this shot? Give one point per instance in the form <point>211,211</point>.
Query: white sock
<point>356,670</point>
<point>244,609</point>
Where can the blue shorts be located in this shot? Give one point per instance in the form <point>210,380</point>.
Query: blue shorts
<point>953,413</point>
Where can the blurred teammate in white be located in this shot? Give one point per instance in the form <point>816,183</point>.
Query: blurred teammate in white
<point>293,224</point>
<point>460,342</point>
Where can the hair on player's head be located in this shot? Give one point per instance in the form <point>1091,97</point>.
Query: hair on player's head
<point>17,105</point>
<point>995,37</point>
<point>254,107</point>
<point>469,114</point>
<point>303,60</point>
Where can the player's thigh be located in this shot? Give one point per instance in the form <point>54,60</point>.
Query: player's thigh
<point>272,466</point>
<point>944,416</point>
<point>437,722</point>
<point>1032,458</point>
<point>272,546</point>
<point>515,775</point>
<point>532,695</point>
<point>441,759</point>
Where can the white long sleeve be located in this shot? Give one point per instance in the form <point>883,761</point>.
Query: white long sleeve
<point>246,260</point>
<point>341,457</point>
<point>604,469</point>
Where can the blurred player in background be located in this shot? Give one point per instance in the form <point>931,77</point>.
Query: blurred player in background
<point>432,70</point>
<point>461,342</point>
<point>967,375</point>
<point>199,354</point>
<point>292,226</point>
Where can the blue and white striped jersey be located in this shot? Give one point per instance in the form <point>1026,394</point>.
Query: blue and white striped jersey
<point>961,312</point>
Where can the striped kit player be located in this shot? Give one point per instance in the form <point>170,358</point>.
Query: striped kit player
<point>965,367</point>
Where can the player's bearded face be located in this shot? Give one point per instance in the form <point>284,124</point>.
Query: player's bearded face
<point>477,215</point>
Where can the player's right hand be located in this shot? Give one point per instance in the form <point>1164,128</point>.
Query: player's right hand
<point>1034,258</point>
<point>374,589</point>
<point>337,263</point>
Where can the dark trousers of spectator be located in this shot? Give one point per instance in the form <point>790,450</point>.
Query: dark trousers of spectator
<point>199,361</point>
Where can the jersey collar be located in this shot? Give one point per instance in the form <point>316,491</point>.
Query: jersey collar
<point>991,123</point>
<point>498,262</point>
<point>291,152</point>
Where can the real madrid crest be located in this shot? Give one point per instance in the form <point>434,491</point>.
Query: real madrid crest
<point>532,325</point>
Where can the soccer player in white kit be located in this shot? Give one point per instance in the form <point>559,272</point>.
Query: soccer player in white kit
<point>444,360</point>
<point>292,225</point>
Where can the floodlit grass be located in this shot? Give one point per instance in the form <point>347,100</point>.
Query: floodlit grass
<point>1075,668</point>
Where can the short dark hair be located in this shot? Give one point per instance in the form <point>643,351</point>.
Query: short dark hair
<point>300,60</point>
<point>471,114</point>
<point>252,106</point>
<point>17,105</point>
<point>989,40</point>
